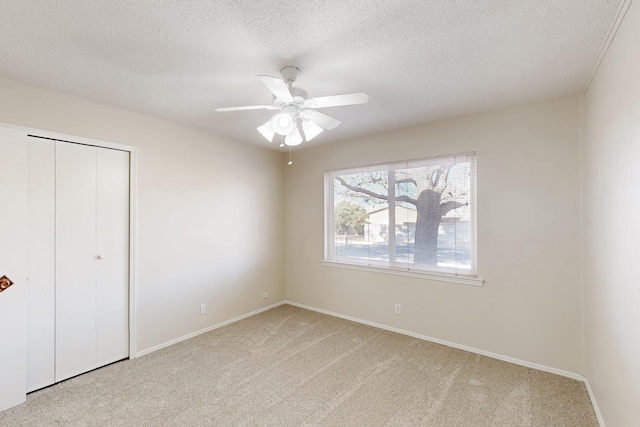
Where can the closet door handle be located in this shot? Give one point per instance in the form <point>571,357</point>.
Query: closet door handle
<point>99,257</point>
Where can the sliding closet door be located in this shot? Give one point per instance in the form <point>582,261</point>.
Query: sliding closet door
<point>112,276</point>
<point>41,265</point>
<point>76,259</point>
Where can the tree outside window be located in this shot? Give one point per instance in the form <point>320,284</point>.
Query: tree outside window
<point>430,225</point>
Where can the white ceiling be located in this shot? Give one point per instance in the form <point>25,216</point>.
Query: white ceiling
<point>419,60</point>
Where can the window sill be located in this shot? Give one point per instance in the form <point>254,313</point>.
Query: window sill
<point>440,277</point>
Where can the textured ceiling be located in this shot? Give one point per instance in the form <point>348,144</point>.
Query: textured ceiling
<point>419,60</point>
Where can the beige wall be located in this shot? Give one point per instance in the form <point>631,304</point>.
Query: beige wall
<point>209,211</point>
<point>611,157</point>
<point>528,235</point>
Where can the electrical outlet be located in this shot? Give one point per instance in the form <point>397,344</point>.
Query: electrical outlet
<point>398,309</point>
<point>203,308</point>
<point>265,295</point>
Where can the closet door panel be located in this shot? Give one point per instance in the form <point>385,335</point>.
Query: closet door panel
<point>41,265</point>
<point>112,284</point>
<point>75,259</point>
<point>13,260</point>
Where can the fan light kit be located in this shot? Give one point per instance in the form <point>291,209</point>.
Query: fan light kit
<point>296,120</point>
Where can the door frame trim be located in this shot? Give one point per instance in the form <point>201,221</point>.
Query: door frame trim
<point>39,133</point>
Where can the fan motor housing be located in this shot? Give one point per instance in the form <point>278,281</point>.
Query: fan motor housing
<point>298,94</point>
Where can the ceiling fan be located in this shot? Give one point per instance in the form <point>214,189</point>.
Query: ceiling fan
<point>297,120</point>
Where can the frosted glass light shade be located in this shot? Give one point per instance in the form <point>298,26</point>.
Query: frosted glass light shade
<point>267,131</point>
<point>282,123</point>
<point>294,138</point>
<point>310,129</point>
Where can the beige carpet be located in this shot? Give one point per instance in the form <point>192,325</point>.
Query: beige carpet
<point>294,367</point>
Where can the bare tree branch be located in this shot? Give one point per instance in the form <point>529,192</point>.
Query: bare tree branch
<point>406,199</point>
<point>361,190</point>
<point>447,206</point>
<point>407,180</point>
<point>435,178</point>
<point>446,178</point>
<point>429,181</point>
<point>373,194</point>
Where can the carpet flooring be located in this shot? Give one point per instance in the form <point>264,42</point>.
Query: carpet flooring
<point>294,367</point>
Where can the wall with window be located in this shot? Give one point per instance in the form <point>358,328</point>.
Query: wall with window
<point>527,237</point>
<point>414,217</point>
<point>611,150</point>
<point>209,212</point>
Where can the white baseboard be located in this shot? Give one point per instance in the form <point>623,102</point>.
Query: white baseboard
<point>594,403</point>
<point>397,330</point>
<point>509,359</point>
<point>447,343</point>
<point>207,329</point>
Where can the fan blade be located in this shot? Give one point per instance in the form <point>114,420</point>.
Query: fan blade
<point>322,120</point>
<point>310,129</point>
<point>337,100</point>
<point>248,107</point>
<point>278,87</point>
<point>267,131</point>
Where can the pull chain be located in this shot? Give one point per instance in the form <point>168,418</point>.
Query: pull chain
<point>290,161</point>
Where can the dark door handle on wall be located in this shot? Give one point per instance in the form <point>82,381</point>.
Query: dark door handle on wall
<point>5,282</point>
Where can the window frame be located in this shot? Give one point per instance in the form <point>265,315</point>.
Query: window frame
<point>388,266</point>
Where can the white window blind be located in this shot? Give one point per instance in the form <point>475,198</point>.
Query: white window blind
<point>416,215</point>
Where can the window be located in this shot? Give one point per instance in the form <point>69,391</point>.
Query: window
<point>416,216</point>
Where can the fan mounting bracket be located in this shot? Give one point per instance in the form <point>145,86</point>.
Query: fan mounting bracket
<point>289,74</point>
